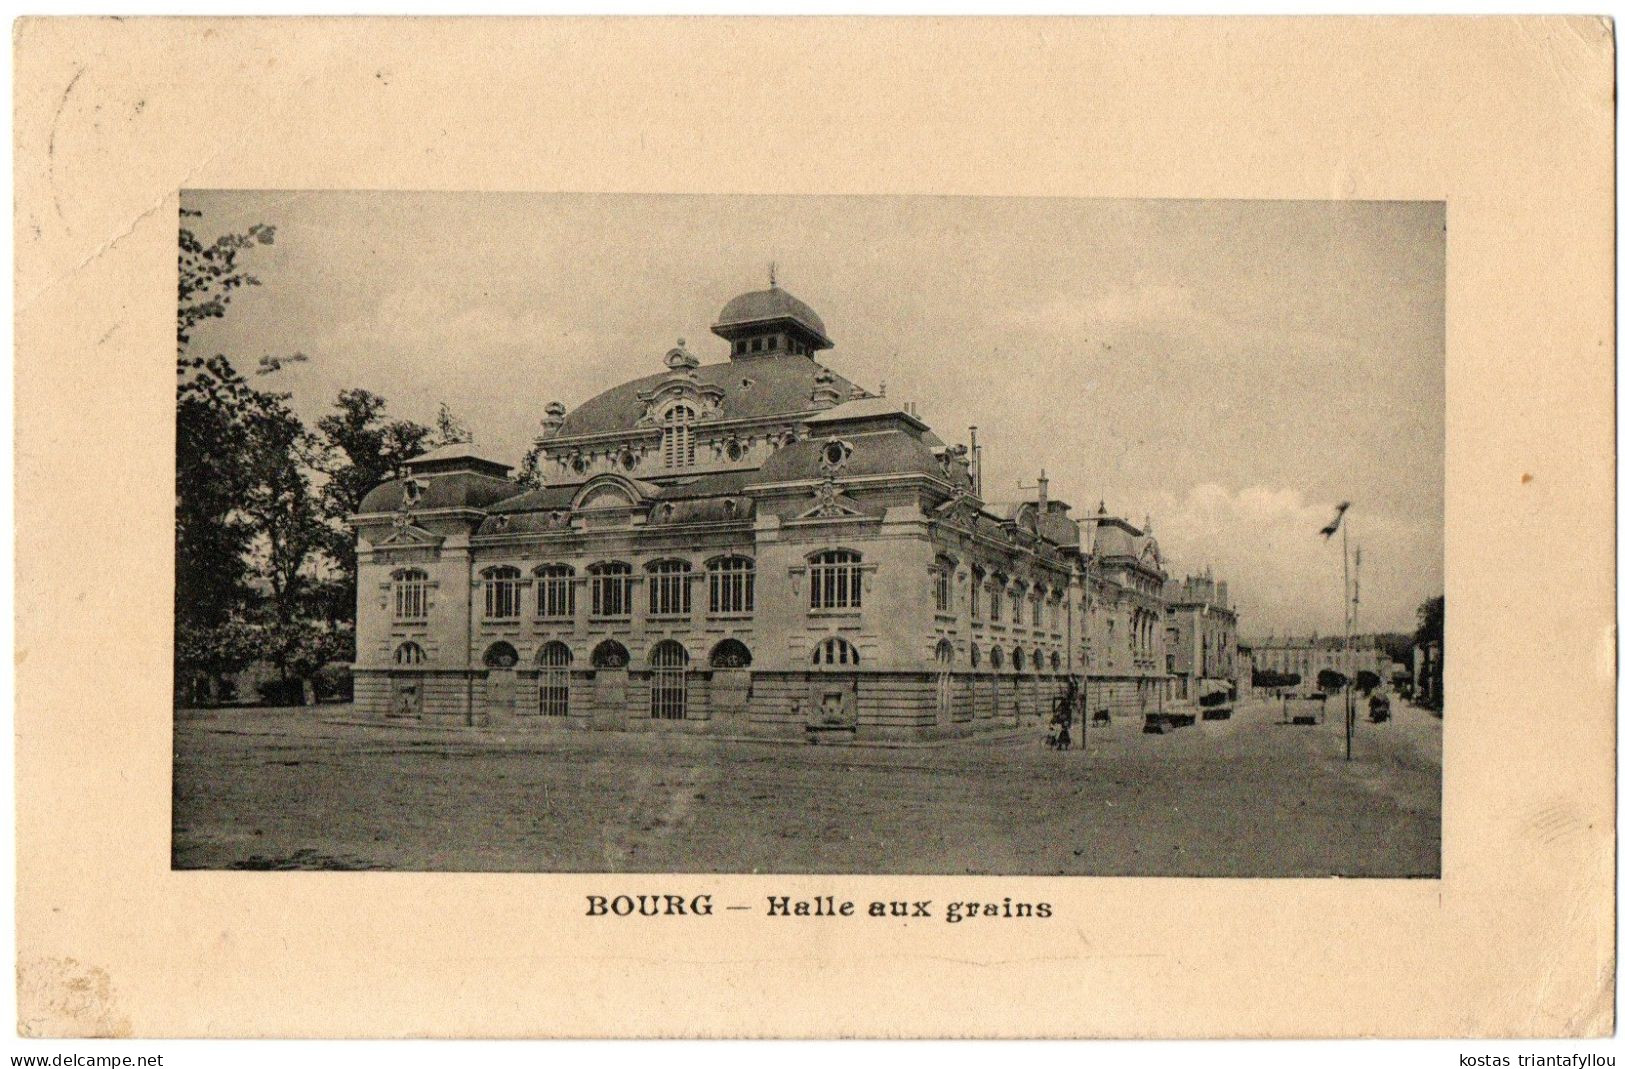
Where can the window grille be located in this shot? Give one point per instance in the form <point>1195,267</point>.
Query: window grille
<point>945,660</point>
<point>501,593</point>
<point>945,585</point>
<point>555,592</point>
<point>677,444</point>
<point>611,588</point>
<point>411,594</point>
<point>835,653</point>
<point>668,588</point>
<point>553,680</point>
<point>409,653</point>
<point>668,682</point>
<point>733,585</point>
<point>835,580</point>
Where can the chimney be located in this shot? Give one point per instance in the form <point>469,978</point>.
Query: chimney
<point>976,463</point>
<point>1043,492</point>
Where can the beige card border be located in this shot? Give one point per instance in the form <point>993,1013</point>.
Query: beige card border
<point>1508,120</point>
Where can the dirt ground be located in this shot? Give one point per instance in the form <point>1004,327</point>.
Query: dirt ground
<point>1248,796</point>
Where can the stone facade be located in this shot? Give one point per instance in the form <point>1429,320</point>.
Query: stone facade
<point>1201,637</point>
<point>1309,656</point>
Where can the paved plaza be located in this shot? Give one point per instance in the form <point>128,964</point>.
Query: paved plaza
<point>1247,796</point>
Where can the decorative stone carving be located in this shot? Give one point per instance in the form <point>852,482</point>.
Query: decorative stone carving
<point>834,455</point>
<point>824,392</point>
<point>830,503</point>
<point>680,358</point>
<point>552,418</point>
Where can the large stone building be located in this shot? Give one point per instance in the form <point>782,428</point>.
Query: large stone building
<point>1308,656</point>
<point>753,546</point>
<point>1201,636</point>
<point>1123,650</point>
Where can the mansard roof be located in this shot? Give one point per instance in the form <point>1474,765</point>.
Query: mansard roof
<point>765,386</point>
<point>885,453</point>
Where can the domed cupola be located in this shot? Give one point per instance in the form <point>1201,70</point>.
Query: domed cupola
<point>771,322</point>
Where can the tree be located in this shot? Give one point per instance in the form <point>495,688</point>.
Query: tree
<point>212,537</point>
<point>1430,638</point>
<point>209,274</point>
<point>1366,681</point>
<point>1330,680</point>
<point>530,469</point>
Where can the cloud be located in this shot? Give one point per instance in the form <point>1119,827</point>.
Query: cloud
<point>1264,541</point>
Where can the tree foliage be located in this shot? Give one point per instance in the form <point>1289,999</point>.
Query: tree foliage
<point>363,449</point>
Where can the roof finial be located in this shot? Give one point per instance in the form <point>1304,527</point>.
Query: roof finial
<point>772,274</point>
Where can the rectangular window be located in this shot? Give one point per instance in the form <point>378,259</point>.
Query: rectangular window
<point>411,596</point>
<point>668,589</point>
<point>502,595</point>
<point>733,586</point>
<point>834,581</point>
<point>612,592</point>
<point>945,589</point>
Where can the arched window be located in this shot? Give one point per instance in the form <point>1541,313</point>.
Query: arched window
<point>1038,607</point>
<point>501,593</point>
<point>555,592</point>
<point>733,585</point>
<point>610,654</point>
<point>1018,660</point>
<point>835,653</point>
<point>1055,661</point>
<point>553,679</point>
<point>1038,662</point>
<point>668,681</point>
<point>611,588</point>
<point>409,653</point>
<point>668,588</point>
<point>411,594</point>
<point>975,655</point>
<point>730,653</point>
<point>1018,595</point>
<point>995,659</point>
<point>501,655</point>
<point>943,580</point>
<point>677,442</point>
<point>995,598</point>
<point>834,576</point>
<point>945,662</point>
<point>977,578</point>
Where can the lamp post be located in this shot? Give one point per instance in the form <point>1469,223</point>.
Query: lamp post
<point>1348,655</point>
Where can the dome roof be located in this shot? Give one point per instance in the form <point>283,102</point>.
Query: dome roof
<point>763,306</point>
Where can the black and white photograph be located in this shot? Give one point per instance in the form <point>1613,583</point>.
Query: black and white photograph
<point>817,534</point>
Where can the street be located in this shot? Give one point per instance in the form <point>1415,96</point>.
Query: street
<point>1247,796</point>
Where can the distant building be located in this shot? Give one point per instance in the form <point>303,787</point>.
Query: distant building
<point>1123,642</point>
<point>1308,656</point>
<point>1201,635</point>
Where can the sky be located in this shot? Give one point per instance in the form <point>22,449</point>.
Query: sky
<point>1230,369</point>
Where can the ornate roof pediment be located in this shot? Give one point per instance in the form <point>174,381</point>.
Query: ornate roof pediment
<point>681,385</point>
<point>407,535</point>
<point>610,491</point>
<point>829,503</point>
